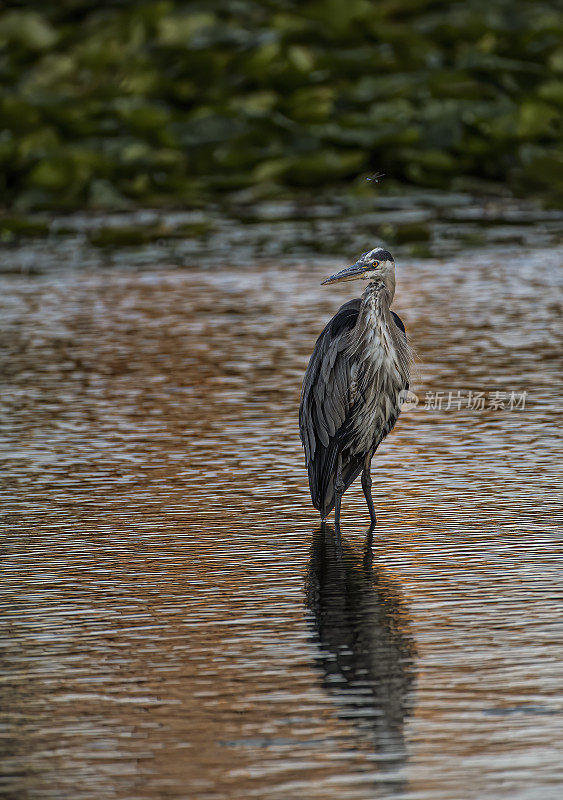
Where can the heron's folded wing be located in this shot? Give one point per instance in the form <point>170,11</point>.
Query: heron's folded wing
<point>399,323</point>
<point>325,398</point>
<point>401,326</point>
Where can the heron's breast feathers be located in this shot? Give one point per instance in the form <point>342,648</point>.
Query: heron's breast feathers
<point>381,373</point>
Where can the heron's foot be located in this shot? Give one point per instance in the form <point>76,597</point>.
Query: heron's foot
<point>337,507</point>
<point>337,533</point>
<point>368,550</point>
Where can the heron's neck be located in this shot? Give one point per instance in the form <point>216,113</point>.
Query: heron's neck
<point>378,296</point>
<point>380,345</point>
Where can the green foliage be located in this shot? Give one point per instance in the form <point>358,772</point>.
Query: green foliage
<point>157,102</point>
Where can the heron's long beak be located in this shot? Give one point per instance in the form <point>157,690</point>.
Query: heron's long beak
<point>347,274</point>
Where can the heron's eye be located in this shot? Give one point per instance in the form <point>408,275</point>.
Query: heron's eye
<point>375,263</point>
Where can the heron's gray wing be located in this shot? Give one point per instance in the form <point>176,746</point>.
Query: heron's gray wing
<point>401,326</point>
<point>325,404</point>
<point>399,322</point>
<point>325,395</point>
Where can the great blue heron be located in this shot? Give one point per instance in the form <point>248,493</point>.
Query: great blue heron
<point>353,386</point>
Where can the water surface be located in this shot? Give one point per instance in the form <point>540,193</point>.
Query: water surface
<point>176,625</point>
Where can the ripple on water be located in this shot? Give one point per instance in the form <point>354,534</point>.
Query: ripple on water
<point>175,624</point>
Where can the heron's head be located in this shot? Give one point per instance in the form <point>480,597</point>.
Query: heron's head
<point>375,265</point>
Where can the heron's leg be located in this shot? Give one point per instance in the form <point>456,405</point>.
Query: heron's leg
<point>338,492</point>
<point>366,486</point>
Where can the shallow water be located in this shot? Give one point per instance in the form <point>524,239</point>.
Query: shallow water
<point>176,625</point>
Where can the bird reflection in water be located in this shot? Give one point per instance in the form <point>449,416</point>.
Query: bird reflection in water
<point>366,649</point>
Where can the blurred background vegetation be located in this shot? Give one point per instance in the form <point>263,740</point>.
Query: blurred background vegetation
<point>115,105</point>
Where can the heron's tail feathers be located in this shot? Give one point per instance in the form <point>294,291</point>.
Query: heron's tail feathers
<point>322,476</point>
